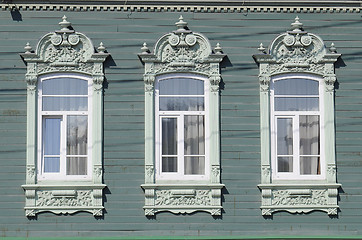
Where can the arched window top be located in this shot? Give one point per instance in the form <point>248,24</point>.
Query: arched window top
<point>296,85</point>
<point>182,51</point>
<point>64,50</point>
<point>297,51</point>
<point>181,84</point>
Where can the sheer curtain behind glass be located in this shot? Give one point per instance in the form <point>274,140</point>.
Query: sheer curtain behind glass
<point>65,125</point>
<point>183,98</point>
<point>298,98</point>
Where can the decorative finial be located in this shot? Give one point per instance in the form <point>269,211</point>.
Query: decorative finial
<point>262,48</point>
<point>333,49</point>
<point>218,49</point>
<point>27,48</point>
<point>181,24</point>
<point>297,26</point>
<point>145,49</point>
<point>101,48</point>
<point>64,24</point>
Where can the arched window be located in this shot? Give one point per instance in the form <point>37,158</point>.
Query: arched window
<point>298,166</point>
<point>64,107</point>
<point>64,124</point>
<point>182,140</point>
<point>181,127</point>
<point>296,127</point>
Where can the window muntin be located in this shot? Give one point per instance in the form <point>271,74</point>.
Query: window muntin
<point>297,132</point>
<point>181,132</point>
<point>64,132</point>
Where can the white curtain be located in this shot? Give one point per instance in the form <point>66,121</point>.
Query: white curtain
<point>194,144</point>
<point>309,144</point>
<point>77,129</point>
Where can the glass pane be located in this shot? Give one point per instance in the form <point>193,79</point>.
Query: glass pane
<point>194,143</point>
<point>296,86</point>
<point>309,135</point>
<point>285,136</point>
<point>296,104</point>
<point>285,164</point>
<point>65,86</point>
<point>194,165</point>
<point>169,164</point>
<point>169,136</point>
<point>65,103</point>
<point>181,86</point>
<point>51,136</point>
<point>181,104</point>
<point>76,165</point>
<point>310,166</point>
<point>77,135</point>
<point>51,164</point>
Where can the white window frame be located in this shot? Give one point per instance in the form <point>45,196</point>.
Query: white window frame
<point>295,175</point>
<point>42,176</point>
<point>179,115</point>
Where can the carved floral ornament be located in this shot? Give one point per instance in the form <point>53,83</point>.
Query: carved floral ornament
<point>182,51</point>
<point>296,52</point>
<point>65,51</point>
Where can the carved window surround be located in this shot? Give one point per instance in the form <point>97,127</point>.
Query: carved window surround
<point>298,52</point>
<point>182,51</point>
<point>64,51</point>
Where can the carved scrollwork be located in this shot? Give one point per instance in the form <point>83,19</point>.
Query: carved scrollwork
<point>64,51</point>
<point>150,170</point>
<point>166,197</point>
<point>285,197</point>
<point>47,198</point>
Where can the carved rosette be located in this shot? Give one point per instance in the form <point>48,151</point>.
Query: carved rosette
<point>64,51</point>
<point>182,51</point>
<point>295,52</point>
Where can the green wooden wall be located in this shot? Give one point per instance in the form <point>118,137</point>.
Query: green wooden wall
<point>123,33</point>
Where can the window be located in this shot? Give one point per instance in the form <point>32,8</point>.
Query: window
<point>182,140</point>
<point>64,124</point>
<point>181,127</point>
<point>296,129</point>
<point>298,165</point>
<point>64,104</point>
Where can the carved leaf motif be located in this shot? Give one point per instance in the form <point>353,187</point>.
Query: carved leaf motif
<point>282,197</point>
<point>165,197</point>
<point>46,198</point>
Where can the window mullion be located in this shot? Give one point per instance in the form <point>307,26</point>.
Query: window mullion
<point>296,143</point>
<point>181,144</point>
<point>63,145</point>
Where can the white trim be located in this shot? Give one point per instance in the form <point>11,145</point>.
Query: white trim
<point>179,115</point>
<point>63,115</point>
<point>295,175</point>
